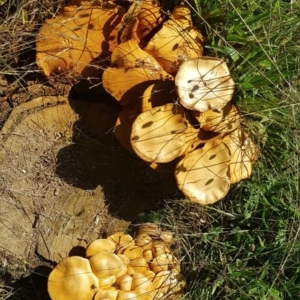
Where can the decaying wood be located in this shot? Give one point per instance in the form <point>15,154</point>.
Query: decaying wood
<point>61,186</point>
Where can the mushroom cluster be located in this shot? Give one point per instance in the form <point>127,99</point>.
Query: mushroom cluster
<point>177,110</point>
<point>120,268</point>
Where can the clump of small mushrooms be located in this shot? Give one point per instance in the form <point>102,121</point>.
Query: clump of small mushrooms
<point>120,268</point>
<point>177,110</point>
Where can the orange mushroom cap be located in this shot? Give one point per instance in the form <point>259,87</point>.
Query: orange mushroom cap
<point>243,155</point>
<point>176,41</point>
<point>144,241</point>
<point>133,252</point>
<point>106,264</point>
<point>123,126</point>
<point>108,293</point>
<point>99,246</point>
<point>125,282</point>
<point>131,71</point>
<point>150,16</point>
<point>121,240</point>
<point>204,83</point>
<point>162,262</point>
<point>150,229</point>
<point>223,120</point>
<point>76,36</point>
<point>139,265</point>
<point>71,279</point>
<point>203,175</point>
<point>158,135</point>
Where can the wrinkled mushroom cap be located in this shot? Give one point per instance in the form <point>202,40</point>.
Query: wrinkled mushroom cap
<point>100,245</point>
<point>127,295</point>
<point>167,237</point>
<point>106,264</point>
<point>133,252</point>
<point>141,283</point>
<point>243,155</point>
<point>77,35</point>
<point>224,120</point>
<point>162,262</point>
<point>204,83</point>
<point>158,135</point>
<point>159,247</point>
<point>144,241</point>
<point>125,282</point>
<point>107,282</point>
<point>131,70</point>
<point>139,265</point>
<point>148,255</point>
<point>164,281</point>
<point>182,14</point>
<point>203,175</point>
<point>121,240</point>
<point>150,229</point>
<point>125,265</point>
<point>176,41</point>
<point>108,293</point>
<point>123,126</point>
<point>149,16</point>
<point>71,279</point>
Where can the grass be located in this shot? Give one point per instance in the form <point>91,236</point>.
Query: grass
<point>19,23</point>
<point>248,245</point>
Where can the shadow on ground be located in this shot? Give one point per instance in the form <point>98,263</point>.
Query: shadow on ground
<point>33,286</point>
<point>129,185</point>
<point>73,183</point>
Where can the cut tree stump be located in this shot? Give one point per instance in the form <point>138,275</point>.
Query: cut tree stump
<point>65,180</point>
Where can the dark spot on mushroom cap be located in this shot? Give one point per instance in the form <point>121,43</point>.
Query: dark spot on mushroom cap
<point>135,138</point>
<point>84,15</point>
<point>91,26</point>
<point>175,46</point>
<point>147,124</point>
<point>195,88</point>
<point>191,95</point>
<point>209,181</point>
<point>213,156</point>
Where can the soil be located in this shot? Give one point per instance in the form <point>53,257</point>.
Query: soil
<point>65,180</point>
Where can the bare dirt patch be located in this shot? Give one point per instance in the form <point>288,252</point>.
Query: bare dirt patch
<point>65,180</point>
